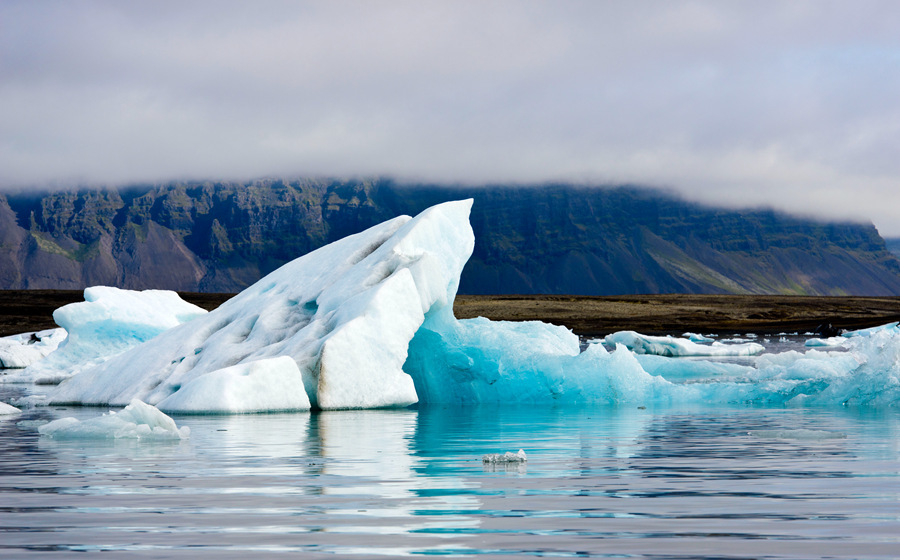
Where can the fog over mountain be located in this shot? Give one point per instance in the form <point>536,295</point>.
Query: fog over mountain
<point>791,105</point>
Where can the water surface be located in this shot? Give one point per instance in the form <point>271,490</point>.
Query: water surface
<point>666,482</point>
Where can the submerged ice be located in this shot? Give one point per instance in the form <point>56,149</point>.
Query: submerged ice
<point>138,420</point>
<point>368,322</point>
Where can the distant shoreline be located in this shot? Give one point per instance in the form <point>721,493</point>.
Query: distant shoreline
<point>32,310</point>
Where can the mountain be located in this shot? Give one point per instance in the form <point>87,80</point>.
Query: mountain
<point>893,245</point>
<point>555,239</point>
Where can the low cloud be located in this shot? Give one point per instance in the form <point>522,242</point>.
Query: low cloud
<point>792,105</point>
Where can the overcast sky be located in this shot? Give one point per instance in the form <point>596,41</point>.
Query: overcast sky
<point>790,104</point>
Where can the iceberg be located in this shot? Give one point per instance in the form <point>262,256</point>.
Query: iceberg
<point>108,322</point>
<point>678,347</point>
<point>7,409</point>
<point>22,350</point>
<point>345,314</point>
<point>138,420</point>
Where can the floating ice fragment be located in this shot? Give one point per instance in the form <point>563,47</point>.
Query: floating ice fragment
<point>695,337</point>
<point>22,350</point>
<point>674,347</point>
<point>7,409</point>
<point>835,341</point>
<point>138,420</point>
<point>508,457</point>
<point>267,385</point>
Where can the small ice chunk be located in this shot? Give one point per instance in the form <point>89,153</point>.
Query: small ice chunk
<point>825,342</point>
<point>508,457</point>
<point>7,409</point>
<point>22,350</point>
<point>138,420</point>
<point>695,337</point>
<point>267,385</point>
<point>676,347</point>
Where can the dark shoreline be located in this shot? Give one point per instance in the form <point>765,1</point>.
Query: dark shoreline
<point>32,310</point>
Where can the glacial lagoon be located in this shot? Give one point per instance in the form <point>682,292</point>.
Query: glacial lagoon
<point>606,481</point>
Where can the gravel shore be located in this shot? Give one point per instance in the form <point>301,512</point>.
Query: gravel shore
<point>32,310</point>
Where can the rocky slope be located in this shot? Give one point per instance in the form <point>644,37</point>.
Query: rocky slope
<point>893,245</point>
<point>552,239</point>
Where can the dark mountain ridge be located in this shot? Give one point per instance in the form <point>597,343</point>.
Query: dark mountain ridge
<point>555,239</point>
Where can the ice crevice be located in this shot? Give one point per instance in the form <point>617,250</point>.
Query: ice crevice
<point>367,322</point>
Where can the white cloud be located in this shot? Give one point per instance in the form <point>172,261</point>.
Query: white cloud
<point>792,104</point>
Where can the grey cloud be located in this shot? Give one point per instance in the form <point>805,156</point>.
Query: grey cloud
<point>791,104</point>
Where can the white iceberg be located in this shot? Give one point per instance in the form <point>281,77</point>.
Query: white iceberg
<point>22,350</point>
<point>678,347</point>
<point>138,420</point>
<point>344,313</point>
<point>108,322</point>
<point>508,457</point>
<point>7,409</point>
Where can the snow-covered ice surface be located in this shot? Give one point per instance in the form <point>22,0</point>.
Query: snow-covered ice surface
<point>367,322</point>
<point>675,347</point>
<point>22,350</point>
<point>138,420</point>
<point>108,322</point>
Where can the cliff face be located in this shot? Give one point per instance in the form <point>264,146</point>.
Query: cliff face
<point>554,239</point>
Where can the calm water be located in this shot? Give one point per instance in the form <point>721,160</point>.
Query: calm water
<point>599,482</point>
<point>620,482</point>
